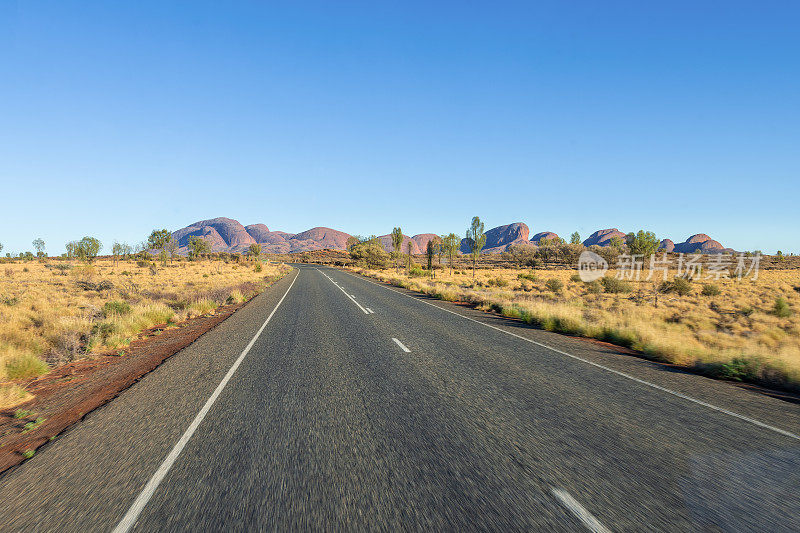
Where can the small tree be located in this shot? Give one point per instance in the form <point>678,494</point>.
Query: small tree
<point>397,242</point>
<point>644,243</point>
<point>87,249</point>
<point>524,255</point>
<point>158,240</point>
<point>38,244</point>
<point>351,241</point>
<point>575,238</point>
<point>171,249</point>
<point>616,242</point>
<point>255,251</point>
<point>438,249</point>
<point>430,252</point>
<point>476,240</point>
<point>451,244</point>
<point>1,246</point>
<point>370,253</point>
<point>197,247</point>
<point>408,247</point>
<point>116,251</point>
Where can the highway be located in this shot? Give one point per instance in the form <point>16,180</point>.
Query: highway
<point>333,402</point>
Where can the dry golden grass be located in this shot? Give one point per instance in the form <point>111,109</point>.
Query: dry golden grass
<point>48,317</point>
<point>736,334</point>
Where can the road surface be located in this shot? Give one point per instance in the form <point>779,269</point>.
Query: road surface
<point>332,402</point>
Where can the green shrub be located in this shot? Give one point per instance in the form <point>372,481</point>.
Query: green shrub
<point>257,268</point>
<point>614,285</point>
<point>576,278</point>
<point>528,276</point>
<point>680,286</point>
<point>594,287</point>
<point>104,330</point>
<point>416,271</point>
<point>116,307</point>
<point>709,289</point>
<point>554,285</point>
<point>497,282</point>
<point>781,308</point>
<point>26,366</point>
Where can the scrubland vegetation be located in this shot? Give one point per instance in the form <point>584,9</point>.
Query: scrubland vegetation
<point>735,329</point>
<point>53,311</point>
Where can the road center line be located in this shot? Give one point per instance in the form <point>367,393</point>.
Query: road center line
<point>586,518</point>
<point>139,504</point>
<point>608,369</point>
<point>401,345</point>
<point>344,291</point>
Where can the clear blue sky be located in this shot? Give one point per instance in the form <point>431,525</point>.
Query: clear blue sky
<point>677,117</point>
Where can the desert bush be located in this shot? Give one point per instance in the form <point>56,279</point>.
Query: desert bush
<point>781,308</point>
<point>524,255</point>
<point>554,285</point>
<point>116,307</point>
<point>615,286</point>
<point>142,263</point>
<point>258,268</point>
<point>709,289</point>
<point>680,286</point>
<point>416,271</point>
<point>497,282</point>
<point>594,287</point>
<point>530,276</point>
<point>236,297</point>
<point>25,366</point>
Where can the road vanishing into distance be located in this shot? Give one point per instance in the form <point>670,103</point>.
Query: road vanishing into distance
<point>333,402</point>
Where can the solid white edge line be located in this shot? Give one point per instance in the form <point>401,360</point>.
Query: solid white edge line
<point>139,504</point>
<point>586,518</point>
<point>370,310</point>
<point>341,289</point>
<point>608,369</point>
<point>401,345</point>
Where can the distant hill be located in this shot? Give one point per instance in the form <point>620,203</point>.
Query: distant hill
<point>228,235</point>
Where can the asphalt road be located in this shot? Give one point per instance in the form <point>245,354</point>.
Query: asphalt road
<point>359,406</point>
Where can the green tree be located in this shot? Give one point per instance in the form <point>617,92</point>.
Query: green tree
<point>197,247</point>
<point>255,251</point>
<point>430,252</point>
<point>476,240</point>
<point>451,244</point>
<point>352,241</point>
<point>397,242</point>
<point>438,249</point>
<point>408,247</point>
<point>369,253</point>
<point>644,243</point>
<point>87,248</point>
<point>1,246</point>
<point>575,238</point>
<point>116,251</point>
<point>158,240</point>
<point>38,244</point>
<point>171,249</point>
<point>524,255</point>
